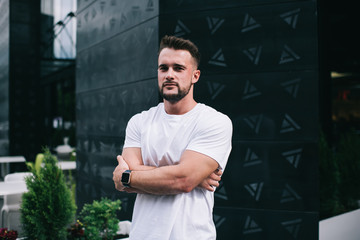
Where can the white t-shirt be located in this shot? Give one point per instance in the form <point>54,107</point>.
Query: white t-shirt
<point>162,139</point>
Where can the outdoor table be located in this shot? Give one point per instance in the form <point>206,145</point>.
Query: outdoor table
<point>5,163</point>
<point>67,165</point>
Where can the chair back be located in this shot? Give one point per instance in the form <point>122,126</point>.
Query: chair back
<point>19,176</point>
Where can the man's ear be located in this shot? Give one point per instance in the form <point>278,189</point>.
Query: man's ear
<point>196,76</point>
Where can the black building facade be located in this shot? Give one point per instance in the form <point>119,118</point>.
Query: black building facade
<point>21,105</point>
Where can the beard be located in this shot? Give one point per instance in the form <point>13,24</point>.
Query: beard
<point>173,98</point>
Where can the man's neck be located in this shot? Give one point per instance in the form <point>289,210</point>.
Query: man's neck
<point>180,107</point>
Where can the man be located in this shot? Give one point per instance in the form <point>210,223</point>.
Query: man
<point>175,152</point>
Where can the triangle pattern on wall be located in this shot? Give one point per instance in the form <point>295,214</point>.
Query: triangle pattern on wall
<point>251,226</point>
<point>289,195</point>
<point>214,24</point>
<point>215,88</point>
<point>251,158</point>
<point>253,54</point>
<point>289,125</point>
<point>221,192</point>
<point>288,55</point>
<point>250,91</point>
<point>293,227</point>
<point>293,156</point>
<point>254,122</point>
<point>249,23</point>
<point>255,189</point>
<point>292,86</point>
<point>181,29</point>
<point>291,17</point>
<point>219,220</point>
<point>218,59</point>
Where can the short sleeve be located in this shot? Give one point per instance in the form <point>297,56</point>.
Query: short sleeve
<point>213,138</point>
<point>133,132</point>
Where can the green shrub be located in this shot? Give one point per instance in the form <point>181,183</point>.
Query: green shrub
<point>348,155</point>
<point>339,175</point>
<point>47,208</point>
<point>330,204</point>
<point>100,220</point>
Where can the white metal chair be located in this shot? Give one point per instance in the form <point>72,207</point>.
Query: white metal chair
<point>19,176</point>
<point>10,212</point>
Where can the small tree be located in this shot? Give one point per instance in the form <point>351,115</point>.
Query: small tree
<point>100,220</point>
<point>47,208</point>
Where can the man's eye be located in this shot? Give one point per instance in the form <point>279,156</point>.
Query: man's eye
<point>163,68</point>
<point>178,68</point>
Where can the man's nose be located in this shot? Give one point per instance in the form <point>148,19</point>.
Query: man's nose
<point>170,74</point>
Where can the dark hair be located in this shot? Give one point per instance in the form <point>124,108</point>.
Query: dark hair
<point>180,44</point>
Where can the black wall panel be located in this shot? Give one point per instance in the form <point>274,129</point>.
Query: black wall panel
<point>257,38</point>
<point>174,6</point>
<point>265,105</point>
<point>254,224</point>
<point>271,175</point>
<point>259,66</point>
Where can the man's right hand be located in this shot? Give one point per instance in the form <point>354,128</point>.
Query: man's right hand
<point>211,181</point>
<point>117,174</point>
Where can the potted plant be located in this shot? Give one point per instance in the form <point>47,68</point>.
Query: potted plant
<point>100,220</point>
<point>6,234</point>
<point>76,231</point>
<point>47,208</point>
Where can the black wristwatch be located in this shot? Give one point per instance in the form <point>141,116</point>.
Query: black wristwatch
<point>125,178</point>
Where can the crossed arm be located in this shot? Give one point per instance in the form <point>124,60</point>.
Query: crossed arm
<point>194,170</point>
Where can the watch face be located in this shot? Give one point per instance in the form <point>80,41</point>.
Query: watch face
<point>125,177</point>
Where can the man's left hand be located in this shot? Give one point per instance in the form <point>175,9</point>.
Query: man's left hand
<point>212,181</point>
